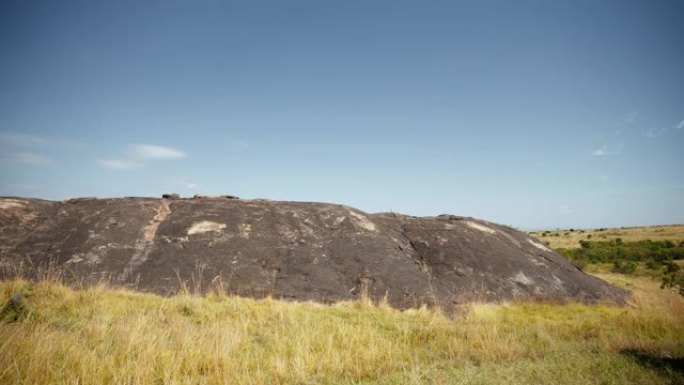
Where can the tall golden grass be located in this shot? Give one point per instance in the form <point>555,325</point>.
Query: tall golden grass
<point>102,335</point>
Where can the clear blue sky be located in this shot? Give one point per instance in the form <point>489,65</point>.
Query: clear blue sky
<point>536,114</point>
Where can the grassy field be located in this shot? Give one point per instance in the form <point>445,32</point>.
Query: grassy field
<point>100,335</point>
<point>570,238</point>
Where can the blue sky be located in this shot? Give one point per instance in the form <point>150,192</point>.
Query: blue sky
<point>536,114</point>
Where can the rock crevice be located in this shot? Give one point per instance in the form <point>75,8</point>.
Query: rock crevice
<point>144,246</point>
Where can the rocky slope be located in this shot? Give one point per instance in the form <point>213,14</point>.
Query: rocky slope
<point>291,250</point>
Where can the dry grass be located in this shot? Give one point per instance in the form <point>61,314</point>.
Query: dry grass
<point>107,336</point>
<point>570,239</point>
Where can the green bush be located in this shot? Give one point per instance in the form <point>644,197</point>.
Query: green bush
<point>673,277</point>
<point>653,265</point>
<point>618,250</point>
<point>13,310</point>
<point>580,264</point>
<point>624,267</point>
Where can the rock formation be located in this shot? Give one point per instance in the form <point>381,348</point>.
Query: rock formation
<point>289,250</point>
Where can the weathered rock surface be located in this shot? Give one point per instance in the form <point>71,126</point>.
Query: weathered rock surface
<point>291,250</point>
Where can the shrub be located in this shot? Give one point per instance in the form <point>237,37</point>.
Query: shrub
<point>624,267</point>
<point>617,250</point>
<point>13,309</point>
<point>673,277</point>
<point>580,264</point>
<point>652,265</point>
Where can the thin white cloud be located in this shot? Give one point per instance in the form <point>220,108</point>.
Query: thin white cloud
<point>138,154</point>
<point>29,159</point>
<point>151,151</point>
<point>23,186</point>
<point>239,143</point>
<point>601,151</point>
<point>631,117</point>
<point>119,164</point>
<point>20,140</point>
<point>25,141</point>
<point>191,185</point>
<point>628,121</point>
<point>680,125</point>
<point>653,132</point>
<point>565,209</point>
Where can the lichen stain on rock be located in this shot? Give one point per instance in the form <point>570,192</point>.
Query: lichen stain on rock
<point>245,230</point>
<point>205,227</point>
<point>480,227</point>
<point>89,258</point>
<point>151,229</point>
<point>523,279</point>
<point>362,221</point>
<point>12,204</point>
<point>538,245</point>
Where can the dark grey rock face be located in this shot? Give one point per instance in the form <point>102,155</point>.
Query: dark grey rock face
<point>291,250</point>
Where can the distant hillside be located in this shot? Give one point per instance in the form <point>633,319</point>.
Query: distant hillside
<point>570,238</point>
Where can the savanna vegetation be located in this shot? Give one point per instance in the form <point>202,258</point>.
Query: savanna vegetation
<point>51,334</point>
<point>570,238</point>
<point>654,254</point>
<point>602,250</point>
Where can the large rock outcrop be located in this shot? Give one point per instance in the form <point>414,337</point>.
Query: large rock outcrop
<point>291,250</point>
